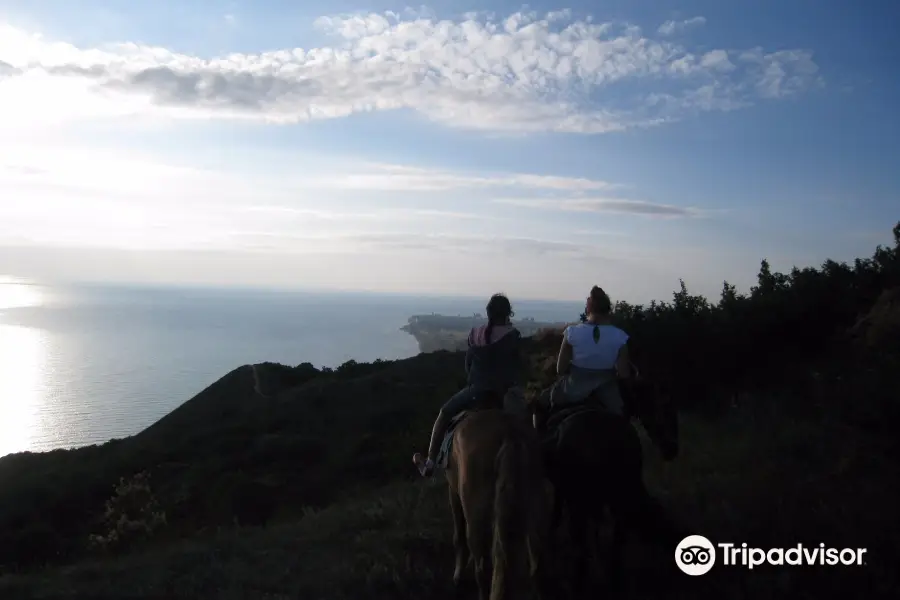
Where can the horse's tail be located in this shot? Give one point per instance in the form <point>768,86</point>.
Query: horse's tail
<point>508,515</point>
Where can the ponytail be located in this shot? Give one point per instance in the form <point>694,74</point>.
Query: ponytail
<point>499,310</point>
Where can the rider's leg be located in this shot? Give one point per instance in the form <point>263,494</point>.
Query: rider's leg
<point>541,410</point>
<point>610,397</point>
<point>460,401</point>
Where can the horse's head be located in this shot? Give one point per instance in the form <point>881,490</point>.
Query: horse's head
<point>533,406</point>
<point>656,411</point>
<point>515,402</point>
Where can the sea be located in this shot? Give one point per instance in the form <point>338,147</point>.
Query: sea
<point>84,363</point>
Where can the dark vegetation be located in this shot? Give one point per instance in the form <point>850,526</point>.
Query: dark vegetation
<point>789,403</point>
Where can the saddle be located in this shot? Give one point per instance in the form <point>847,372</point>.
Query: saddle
<point>484,400</point>
<point>558,415</point>
<point>551,429</point>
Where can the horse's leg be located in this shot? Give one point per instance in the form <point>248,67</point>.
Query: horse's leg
<point>556,517</point>
<point>539,540</point>
<point>478,512</point>
<point>578,533</point>
<point>617,556</point>
<point>480,547</point>
<point>460,543</point>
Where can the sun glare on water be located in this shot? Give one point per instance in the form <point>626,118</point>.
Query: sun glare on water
<point>22,357</point>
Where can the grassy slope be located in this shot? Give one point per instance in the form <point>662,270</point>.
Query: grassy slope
<point>342,441</point>
<point>299,448</point>
<point>741,479</point>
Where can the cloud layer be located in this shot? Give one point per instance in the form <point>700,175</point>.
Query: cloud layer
<point>521,74</point>
<point>388,177</point>
<point>601,205</point>
<point>83,198</point>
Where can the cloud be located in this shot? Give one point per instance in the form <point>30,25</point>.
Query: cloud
<point>717,60</point>
<point>75,166</point>
<point>672,27</point>
<point>602,205</point>
<point>385,214</point>
<point>83,197</point>
<point>24,170</point>
<point>389,177</point>
<point>599,233</point>
<point>364,243</point>
<point>781,74</point>
<point>519,75</point>
<point>486,246</point>
<point>7,69</point>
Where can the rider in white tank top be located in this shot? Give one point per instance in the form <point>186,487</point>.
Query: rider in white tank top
<point>592,360</point>
<point>595,352</point>
<point>595,347</point>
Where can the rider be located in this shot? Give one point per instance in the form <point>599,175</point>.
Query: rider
<point>492,364</point>
<point>593,354</point>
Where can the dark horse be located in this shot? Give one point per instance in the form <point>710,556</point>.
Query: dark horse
<point>595,460</point>
<point>501,502</point>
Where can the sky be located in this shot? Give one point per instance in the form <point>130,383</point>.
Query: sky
<point>452,148</point>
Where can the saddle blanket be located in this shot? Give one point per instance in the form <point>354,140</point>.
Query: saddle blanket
<point>444,452</point>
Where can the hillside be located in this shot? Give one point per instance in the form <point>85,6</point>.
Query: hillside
<point>285,482</point>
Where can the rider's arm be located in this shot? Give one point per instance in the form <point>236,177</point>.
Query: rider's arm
<point>564,360</point>
<point>623,363</point>
<point>470,354</point>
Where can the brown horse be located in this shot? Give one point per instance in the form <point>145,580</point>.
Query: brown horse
<point>501,503</point>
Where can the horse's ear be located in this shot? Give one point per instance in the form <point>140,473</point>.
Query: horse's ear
<point>531,396</point>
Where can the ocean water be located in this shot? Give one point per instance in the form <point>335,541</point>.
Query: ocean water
<point>81,364</point>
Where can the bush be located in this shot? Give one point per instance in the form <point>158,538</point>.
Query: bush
<point>131,515</point>
<point>706,353</point>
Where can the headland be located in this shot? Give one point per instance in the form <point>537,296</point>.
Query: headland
<point>436,332</point>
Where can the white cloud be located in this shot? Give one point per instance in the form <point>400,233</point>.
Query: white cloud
<point>783,73</point>
<point>717,60</point>
<point>82,197</point>
<point>382,215</point>
<point>399,177</point>
<point>519,74</point>
<point>673,27</point>
<point>495,266</point>
<point>457,245</point>
<point>601,205</point>
<point>517,246</point>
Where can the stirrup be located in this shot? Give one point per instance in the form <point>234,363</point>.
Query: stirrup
<point>425,467</point>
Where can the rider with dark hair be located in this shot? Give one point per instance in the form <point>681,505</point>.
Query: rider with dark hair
<point>492,366</point>
<point>592,358</point>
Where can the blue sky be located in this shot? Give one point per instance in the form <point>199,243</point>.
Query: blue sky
<point>453,148</point>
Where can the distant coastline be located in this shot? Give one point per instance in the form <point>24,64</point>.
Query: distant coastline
<point>435,332</point>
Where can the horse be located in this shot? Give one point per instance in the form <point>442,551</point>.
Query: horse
<point>595,460</point>
<point>501,503</point>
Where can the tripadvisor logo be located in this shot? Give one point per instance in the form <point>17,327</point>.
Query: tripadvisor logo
<point>696,555</point>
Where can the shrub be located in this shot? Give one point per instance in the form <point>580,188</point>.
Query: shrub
<point>131,515</point>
